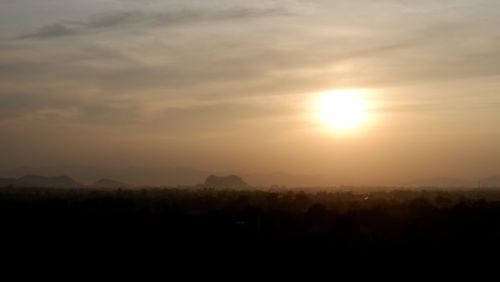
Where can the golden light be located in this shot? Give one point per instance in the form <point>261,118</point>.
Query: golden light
<point>343,109</point>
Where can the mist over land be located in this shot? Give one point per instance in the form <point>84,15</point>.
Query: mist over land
<point>173,177</point>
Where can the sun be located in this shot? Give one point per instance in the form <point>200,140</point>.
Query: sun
<point>342,110</point>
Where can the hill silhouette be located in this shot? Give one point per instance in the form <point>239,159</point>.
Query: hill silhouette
<point>32,180</point>
<point>226,182</point>
<point>48,182</point>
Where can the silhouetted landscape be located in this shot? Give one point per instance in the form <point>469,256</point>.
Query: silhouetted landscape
<point>213,216</point>
<point>344,129</point>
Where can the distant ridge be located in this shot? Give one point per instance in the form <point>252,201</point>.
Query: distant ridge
<point>150,176</point>
<point>7,179</point>
<point>37,181</point>
<point>226,182</point>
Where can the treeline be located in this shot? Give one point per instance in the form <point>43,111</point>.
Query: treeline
<point>417,222</point>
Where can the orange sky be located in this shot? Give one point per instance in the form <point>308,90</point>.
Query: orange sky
<point>232,85</point>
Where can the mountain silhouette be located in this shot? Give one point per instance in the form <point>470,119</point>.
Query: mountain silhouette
<point>226,182</point>
<point>37,181</point>
<point>151,176</point>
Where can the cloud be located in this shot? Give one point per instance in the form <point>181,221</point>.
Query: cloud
<point>52,107</point>
<point>69,28</point>
<point>159,19</point>
<point>120,77</point>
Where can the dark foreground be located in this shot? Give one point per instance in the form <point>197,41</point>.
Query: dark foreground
<point>246,223</point>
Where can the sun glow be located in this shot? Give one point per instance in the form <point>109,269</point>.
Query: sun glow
<point>342,110</point>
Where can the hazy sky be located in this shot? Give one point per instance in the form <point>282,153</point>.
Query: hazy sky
<point>230,85</point>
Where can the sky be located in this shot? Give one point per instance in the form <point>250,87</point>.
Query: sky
<point>232,85</point>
